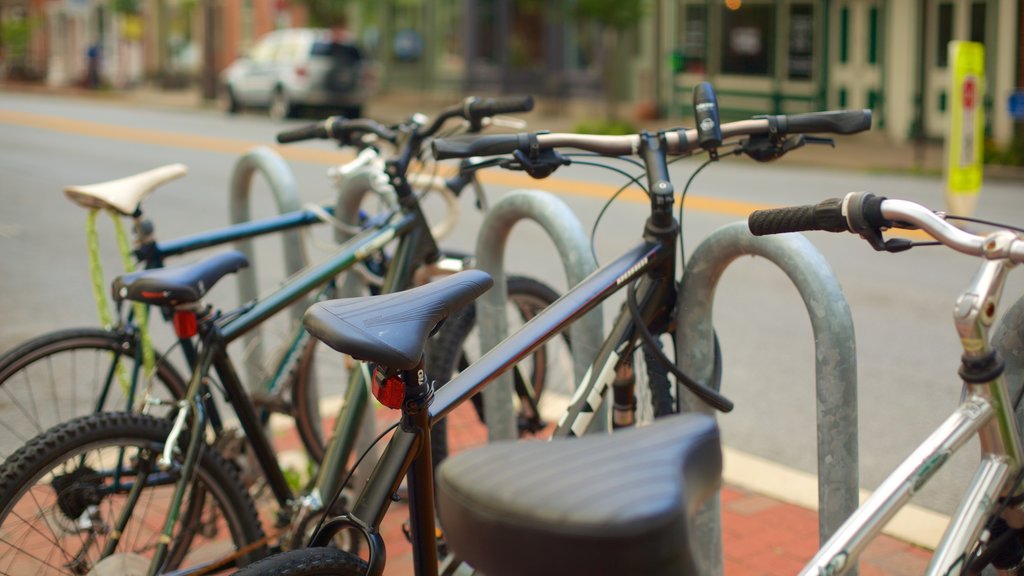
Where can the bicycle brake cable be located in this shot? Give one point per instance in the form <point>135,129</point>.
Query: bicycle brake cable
<point>341,487</point>
<point>983,222</point>
<point>709,395</point>
<point>631,180</point>
<point>682,197</point>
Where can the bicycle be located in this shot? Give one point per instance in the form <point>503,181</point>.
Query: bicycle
<point>647,272</point>
<point>77,371</point>
<point>984,531</point>
<point>64,456</point>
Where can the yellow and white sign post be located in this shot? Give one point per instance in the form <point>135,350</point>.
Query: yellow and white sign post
<point>966,128</point>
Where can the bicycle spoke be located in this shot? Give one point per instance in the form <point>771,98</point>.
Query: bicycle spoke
<point>21,408</point>
<point>53,387</point>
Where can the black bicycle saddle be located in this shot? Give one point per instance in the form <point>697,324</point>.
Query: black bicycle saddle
<point>392,329</point>
<point>604,504</point>
<point>180,284</point>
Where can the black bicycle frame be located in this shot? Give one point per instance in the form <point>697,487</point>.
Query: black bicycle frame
<point>413,247</point>
<point>408,452</point>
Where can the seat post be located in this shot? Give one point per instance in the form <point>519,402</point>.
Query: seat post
<point>419,393</point>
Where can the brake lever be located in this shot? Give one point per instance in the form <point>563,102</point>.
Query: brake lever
<point>541,165</point>
<point>819,140</point>
<point>506,122</point>
<point>768,147</point>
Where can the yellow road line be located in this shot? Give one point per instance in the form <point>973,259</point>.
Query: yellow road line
<point>235,147</point>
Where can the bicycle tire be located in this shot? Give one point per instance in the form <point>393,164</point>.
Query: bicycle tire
<point>657,393</point>
<point>308,562</point>
<point>77,365</point>
<point>58,489</point>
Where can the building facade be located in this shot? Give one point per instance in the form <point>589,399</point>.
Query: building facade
<point>762,55</point>
<point>782,56</point>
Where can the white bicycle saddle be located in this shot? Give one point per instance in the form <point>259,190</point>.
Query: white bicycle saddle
<point>124,194</point>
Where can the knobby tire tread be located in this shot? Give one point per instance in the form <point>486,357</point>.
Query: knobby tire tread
<point>43,452</point>
<point>308,562</point>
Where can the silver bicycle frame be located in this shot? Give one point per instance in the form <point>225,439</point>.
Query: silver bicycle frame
<point>986,411</point>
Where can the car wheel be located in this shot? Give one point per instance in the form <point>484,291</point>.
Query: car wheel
<point>228,103</point>
<point>280,106</point>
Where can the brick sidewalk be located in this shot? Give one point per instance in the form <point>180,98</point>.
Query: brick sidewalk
<point>761,536</point>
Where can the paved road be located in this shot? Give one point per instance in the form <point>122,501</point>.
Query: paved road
<point>907,349</point>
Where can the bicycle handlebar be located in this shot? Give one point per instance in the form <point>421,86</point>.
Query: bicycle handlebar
<point>680,141</point>
<point>338,128</point>
<point>472,109</point>
<point>477,109</point>
<point>862,213</point>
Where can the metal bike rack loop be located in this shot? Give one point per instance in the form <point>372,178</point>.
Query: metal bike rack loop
<point>282,184</point>
<point>835,364</point>
<point>565,230</point>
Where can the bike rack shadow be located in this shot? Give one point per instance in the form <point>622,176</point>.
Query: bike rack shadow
<point>835,365</point>
<point>565,230</point>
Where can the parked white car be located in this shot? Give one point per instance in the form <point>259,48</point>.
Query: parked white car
<point>296,67</point>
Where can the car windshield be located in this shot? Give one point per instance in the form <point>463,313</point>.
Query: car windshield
<point>337,50</point>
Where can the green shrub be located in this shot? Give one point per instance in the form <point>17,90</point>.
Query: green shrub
<point>1012,155</point>
<point>606,127</point>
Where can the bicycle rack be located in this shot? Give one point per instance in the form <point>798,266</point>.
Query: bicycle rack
<point>565,230</point>
<point>282,184</point>
<point>835,365</point>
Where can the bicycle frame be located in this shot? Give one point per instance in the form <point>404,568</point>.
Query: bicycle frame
<point>985,411</point>
<point>415,246</point>
<point>408,452</point>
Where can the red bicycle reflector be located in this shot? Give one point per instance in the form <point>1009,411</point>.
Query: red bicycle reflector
<point>185,325</point>
<point>389,390</point>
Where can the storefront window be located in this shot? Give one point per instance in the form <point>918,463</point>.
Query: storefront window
<point>801,41</point>
<point>526,40</point>
<point>944,34</point>
<point>487,31</point>
<point>747,35</point>
<point>450,18</point>
<point>692,53</point>
<point>407,45</point>
<point>978,22</point>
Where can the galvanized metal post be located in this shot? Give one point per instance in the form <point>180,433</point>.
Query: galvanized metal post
<point>835,364</point>
<point>282,184</point>
<point>574,250</point>
<point>351,191</point>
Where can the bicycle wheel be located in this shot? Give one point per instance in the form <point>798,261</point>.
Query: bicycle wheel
<point>63,492</point>
<point>653,389</point>
<point>59,376</point>
<point>547,371</point>
<point>308,562</point>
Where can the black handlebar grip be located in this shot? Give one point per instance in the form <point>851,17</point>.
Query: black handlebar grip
<point>826,215</point>
<point>835,122</point>
<point>493,106</point>
<point>489,145</point>
<point>308,132</point>
<point>705,110</point>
